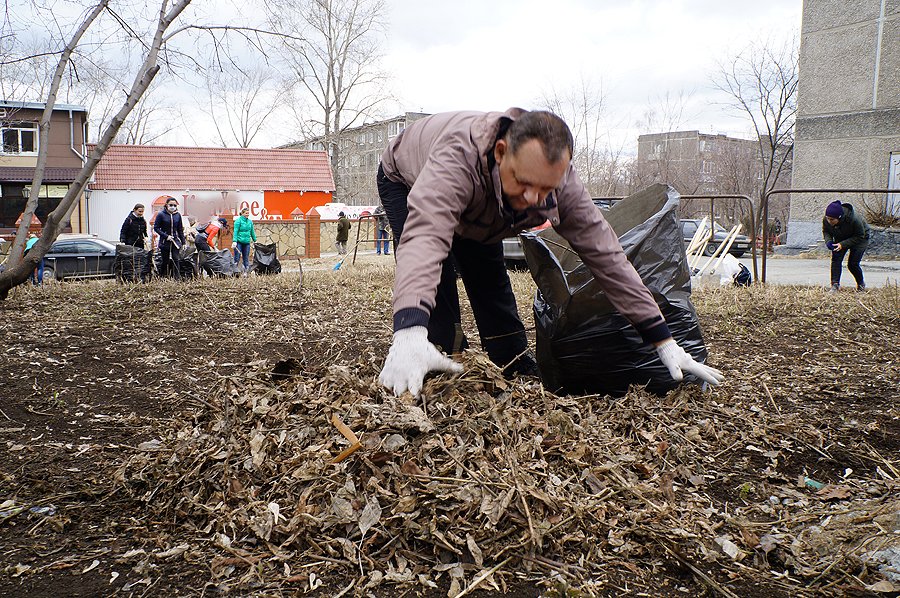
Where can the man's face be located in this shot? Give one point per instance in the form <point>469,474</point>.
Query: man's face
<point>139,212</point>
<point>832,221</point>
<point>527,177</point>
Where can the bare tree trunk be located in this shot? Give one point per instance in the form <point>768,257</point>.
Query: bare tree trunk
<point>15,252</point>
<point>20,270</point>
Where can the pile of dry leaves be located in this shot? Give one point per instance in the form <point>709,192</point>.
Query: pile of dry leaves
<point>290,475</point>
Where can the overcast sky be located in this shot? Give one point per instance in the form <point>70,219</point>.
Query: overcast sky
<point>490,55</point>
<point>493,54</point>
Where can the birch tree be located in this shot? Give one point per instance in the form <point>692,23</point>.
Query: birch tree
<point>155,42</point>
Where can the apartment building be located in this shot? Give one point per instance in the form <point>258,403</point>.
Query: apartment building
<point>355,155</point>
<point>848,112</point>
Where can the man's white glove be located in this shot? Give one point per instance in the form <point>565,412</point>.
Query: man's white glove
<point>234,245</point>
<point>410,358</point>
<point>676,359</point>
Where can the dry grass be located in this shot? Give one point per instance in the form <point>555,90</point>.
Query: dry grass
<point>227,475</point>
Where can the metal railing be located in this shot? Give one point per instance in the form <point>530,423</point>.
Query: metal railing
<point>374,218</point>
<point>712,214</point>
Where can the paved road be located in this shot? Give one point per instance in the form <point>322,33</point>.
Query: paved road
<point>817,271</point>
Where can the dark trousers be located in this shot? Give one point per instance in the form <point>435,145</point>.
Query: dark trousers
<point>487,285</point>
<point>37,275</point>
<point>856,254</point>
<point>170,260</point>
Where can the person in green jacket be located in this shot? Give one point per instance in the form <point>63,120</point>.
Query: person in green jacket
<point>37,275</point>
<point>845,230</point>
<point>244,233</point>
<point>343,233</point>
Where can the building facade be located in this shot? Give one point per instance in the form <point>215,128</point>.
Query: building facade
<point>695,162</point>
<point>698,163</point>
<point>356,154</point>
<point>19,153</point>
<point>848,116</point>
<point>275,184</point>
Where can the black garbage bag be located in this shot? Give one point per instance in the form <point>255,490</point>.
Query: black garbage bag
<point>585,346</point>
<point>132,264</point>
<point>743,278</point>
<point>187,263</point>
<point>265,259</point>
<point>218,262</point>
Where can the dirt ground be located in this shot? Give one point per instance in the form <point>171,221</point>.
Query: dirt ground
<point>90,371</point>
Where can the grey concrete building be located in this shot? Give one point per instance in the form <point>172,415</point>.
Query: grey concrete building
<point>700,163</point>
<point>359,152</point>
<point>695,162</point>
<point>848,117</point>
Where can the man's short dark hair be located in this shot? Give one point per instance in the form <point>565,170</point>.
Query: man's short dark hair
<point>138,206</point>
<point>546,127</point>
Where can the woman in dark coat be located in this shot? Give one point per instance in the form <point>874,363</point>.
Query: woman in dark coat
<point>170,229</point>
<point>134,229</point>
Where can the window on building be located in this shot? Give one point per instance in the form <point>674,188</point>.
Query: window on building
<point>370,137</point>
<point>394,128</point>
<point>19,138</point>
<point>707,167</point>
<point>380,135</point>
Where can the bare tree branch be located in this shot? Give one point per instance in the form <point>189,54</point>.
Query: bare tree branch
<point>20,268</point>
<point>336,62</point>
<point>44,135</point>
<point>762,84</point>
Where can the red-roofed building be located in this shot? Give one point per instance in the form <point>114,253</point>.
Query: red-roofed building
<point>206,181</point>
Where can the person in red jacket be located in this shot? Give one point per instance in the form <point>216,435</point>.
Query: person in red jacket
<point>206,238</point>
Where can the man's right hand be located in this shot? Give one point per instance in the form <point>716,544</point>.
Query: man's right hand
<point>411,357</point>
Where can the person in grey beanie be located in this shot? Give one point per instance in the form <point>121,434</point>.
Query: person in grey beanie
<point>845,231</point>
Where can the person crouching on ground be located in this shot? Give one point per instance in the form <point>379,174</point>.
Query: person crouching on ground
<point>845,230</point>
<point>169,227</point>
<point>205,239</point>
<point>454,185</point>
<point>244,234</point>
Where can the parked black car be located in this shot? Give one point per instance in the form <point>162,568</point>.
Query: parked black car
<point>79,256</point>
<point>739,247</point>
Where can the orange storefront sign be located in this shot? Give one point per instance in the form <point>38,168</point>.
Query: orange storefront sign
<point>285,202</point>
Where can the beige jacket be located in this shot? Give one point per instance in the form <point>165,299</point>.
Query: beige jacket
<point>445,161</point>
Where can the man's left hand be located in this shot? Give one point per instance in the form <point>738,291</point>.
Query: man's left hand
<point>678,361</point>
<point>838,247</point>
